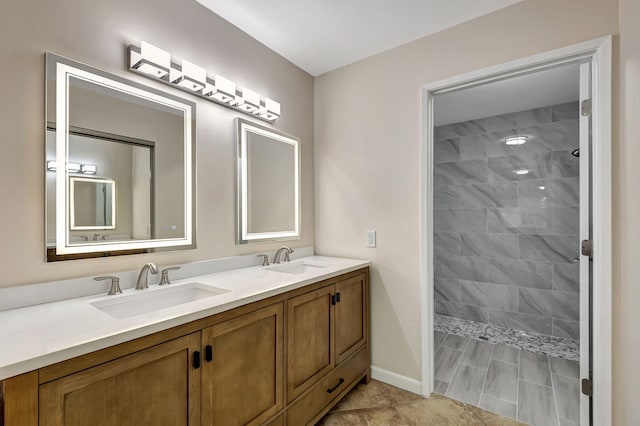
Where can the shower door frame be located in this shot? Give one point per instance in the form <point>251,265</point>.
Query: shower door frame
<point>598,53</point>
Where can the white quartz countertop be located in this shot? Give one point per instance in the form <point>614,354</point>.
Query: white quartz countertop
<point>36,336</point>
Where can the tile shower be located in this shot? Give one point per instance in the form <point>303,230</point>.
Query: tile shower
<point>506,229</point>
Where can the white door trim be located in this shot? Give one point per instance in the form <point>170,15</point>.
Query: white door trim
<point>599,52</point>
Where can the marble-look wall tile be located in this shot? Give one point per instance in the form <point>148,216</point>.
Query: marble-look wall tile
<point>458,310</point>
<point>446,197</point>
<point>488,295</point>
<point>485,145</point>
<point>446,150</point>
<point>506,218</point>
<point>532,323</point>
<point>519,167</point>
<point>549,248</point>
<point>549,193</point>
<point>520,273</point>
<point>566,220</point>
<point>461,267</point>
<point>489,245</point>
<point>568,111</point>
<point>488,195</point>
<point>568,329</point>
<point>446,243</point>
<point>519,119</point>
<point>550,303</point>
<point>567,392</point>
<point>460,220</point>
<point>566,277</point>
<point>556,136</point>
<point>461,172</point>
<point>520,220</point>
<point>447,289</point>
<point>564,164</point>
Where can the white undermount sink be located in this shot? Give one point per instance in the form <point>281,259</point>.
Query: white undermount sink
<point>296,267</point>
<point>149,301</point>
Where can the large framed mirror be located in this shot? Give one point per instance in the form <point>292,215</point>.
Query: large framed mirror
<point>268,184</point>
<point>120,165</point>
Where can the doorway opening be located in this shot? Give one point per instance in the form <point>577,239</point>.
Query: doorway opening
<point>512,305</point>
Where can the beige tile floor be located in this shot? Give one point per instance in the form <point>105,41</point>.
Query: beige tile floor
<point>379,404</point>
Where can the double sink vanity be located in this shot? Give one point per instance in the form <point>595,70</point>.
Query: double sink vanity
<point>272,345</point>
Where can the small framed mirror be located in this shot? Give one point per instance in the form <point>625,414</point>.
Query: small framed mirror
<point>268,184</point>
<point>93,203</point>
<point>120,165</point>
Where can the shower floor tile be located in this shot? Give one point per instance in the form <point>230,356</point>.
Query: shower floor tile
<point>533,388</point>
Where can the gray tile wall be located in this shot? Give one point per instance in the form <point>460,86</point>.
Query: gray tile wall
<point>505,242</point>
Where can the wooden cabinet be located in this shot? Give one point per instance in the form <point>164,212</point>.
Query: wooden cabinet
<point>231,369</point>
<point>156,386</point>
<point>242,371</point>
<point>326,328</point>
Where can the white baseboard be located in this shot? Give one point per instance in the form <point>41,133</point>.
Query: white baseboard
<point>397,380</point>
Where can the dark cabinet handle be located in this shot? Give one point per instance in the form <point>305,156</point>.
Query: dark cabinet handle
<point>208,353</point>
<point>338,297</point>
<point>196,359</point>
<point>341,381</point>
<point>334,299</point>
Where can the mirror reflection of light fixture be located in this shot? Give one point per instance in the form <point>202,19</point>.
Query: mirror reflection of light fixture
<point>155,63</point>
<point>521,171</point>
<point>151,60</point>
<point>515,140</point>
<point>87,169</point>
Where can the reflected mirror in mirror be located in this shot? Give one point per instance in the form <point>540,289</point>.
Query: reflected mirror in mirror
<point>103,128</point>
<point>93,203</point>
<point>268,184</point>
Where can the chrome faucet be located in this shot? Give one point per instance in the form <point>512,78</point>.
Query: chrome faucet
<point>144,275</point>
<point>286,250</point>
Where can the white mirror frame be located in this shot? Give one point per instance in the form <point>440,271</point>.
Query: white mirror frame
<point>72,200</point>
<point>244,127</point>
<point>63,243</point>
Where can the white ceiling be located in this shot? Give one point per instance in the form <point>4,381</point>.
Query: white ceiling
<point>322,35</point>
<point>539,89</point>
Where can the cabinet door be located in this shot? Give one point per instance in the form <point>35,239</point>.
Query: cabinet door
<point>156,386</point>
<point>310,352</point>
<point>351,327</point>
<point>242,374</point>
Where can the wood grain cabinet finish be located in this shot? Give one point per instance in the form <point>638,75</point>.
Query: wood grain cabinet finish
<point>230,369</point>
<point>156,386</point>
<point>242,371</point>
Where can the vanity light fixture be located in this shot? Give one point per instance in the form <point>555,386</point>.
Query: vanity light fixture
<point>191,77</point>
<point>87,169</point>
<point>155,63</point>
<point>521,172</point>
<point>151,60</point>
<point>515,140</point>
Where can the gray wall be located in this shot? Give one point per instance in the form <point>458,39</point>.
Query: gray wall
<point>97,33</point>
<point>505,242</point>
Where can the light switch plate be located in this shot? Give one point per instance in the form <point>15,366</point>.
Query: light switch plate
<point>371,238</point>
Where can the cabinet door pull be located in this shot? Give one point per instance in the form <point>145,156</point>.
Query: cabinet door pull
<point>333,299</point>
<point>341,381</point>
<point>208,353</point>
<point>338,297</point>
<point>196,359</point>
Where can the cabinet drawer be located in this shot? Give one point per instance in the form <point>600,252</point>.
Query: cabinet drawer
<point>307,407</point>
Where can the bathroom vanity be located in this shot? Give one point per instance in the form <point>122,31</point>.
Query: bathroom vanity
<point>275,346</point>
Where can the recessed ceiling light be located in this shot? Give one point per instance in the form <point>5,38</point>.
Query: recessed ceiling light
<point>521,172</point>
<point>515,140</point>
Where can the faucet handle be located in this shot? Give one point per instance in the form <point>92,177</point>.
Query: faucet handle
<point>265,259</point>
<point>287,253</point>
<point>115,284</point>
<point>164,280</point>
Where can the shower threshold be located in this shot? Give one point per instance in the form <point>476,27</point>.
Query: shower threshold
<point>559,347</point>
